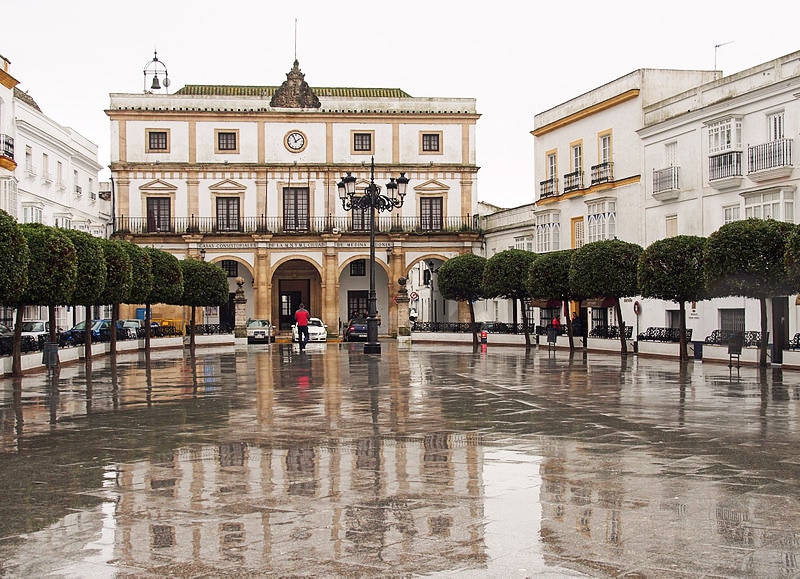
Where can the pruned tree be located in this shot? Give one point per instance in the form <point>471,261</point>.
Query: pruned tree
<point>119,278</point>
<point>505,275</point>
<point>91,278</point>
<point>14,255</point>
<point>204,284</point>
<point>52,276</point>
<point>607,269</point>
<point>748,258</point>
<point>548,278</point>
<point>460,280</point>
<point>672,269</point>
<point>167,284</point>
<point>142,272</point>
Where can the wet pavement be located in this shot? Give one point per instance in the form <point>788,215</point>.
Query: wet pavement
<point>439,461</point>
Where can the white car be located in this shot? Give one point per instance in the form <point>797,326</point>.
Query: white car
<point>317,331</point>
<point>260,331</point>
<point>39,330</point>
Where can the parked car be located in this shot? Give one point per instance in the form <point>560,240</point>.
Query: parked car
<point>135,328</point>
<point>317,331</point>
<point>260,331</point>
<point>101,332</point>
<point>355,330</point>
<point>39,330</point>
<point>28,344</point>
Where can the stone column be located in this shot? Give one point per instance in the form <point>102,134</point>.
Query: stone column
<point>402,321</point>
<point>240,304</point>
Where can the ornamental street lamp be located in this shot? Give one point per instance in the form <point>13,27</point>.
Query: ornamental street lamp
<point>373,201</point>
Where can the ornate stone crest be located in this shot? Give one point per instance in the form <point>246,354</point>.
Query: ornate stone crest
<point>295,93</point>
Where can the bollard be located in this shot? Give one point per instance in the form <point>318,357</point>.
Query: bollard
<point>484,336</point>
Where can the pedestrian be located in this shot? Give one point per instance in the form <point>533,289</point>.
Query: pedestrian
<point>301,317</point>
<point>556,324</point>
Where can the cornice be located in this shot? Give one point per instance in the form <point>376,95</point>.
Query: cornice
<point>7,80</point>
<point>586,112</point>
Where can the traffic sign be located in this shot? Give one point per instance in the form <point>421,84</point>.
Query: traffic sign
<point>413,295</point>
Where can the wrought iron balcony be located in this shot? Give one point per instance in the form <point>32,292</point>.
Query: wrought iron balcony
<point>770,160</point>
<point>573,181</point>
<point>293,226</point>
<point>666,183</point>
<point>548,188</point>
<point>602,173</point>
<point>7,146</point>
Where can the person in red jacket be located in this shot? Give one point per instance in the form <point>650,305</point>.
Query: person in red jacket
<point>301,317</point>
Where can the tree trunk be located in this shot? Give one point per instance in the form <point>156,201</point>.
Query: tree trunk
<point>191,330</point>
<point>475,341</point>
<point>623,343</point>
<point>683,353</point>
<point>87,337</point>
<point>570,330</point>
<point>16,362</point>
<point>525,323</point>
<point>764,342</point>
<point>146,327</point>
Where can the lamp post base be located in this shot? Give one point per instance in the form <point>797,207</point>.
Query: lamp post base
<point>372,348</point>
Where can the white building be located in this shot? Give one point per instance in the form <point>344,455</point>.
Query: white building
<point>247,177</point>
<point>715,153</point>
<point>48,174</point>
<point>590,155</point>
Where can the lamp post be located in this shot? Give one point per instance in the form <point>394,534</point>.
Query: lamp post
<point>373,201</point>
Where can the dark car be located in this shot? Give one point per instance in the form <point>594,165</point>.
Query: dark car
<point>101,332</point>
<point>355,330</point>
<point>28,344</point>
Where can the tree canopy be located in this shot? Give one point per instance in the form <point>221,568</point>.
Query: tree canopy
<point>204,283</point>
<point>53,266</point>
<point>505,275</point>
<point>460,279</point>
<point>167,278</point>
<point>91,264</point>
<point>119,275</point>
<point>142,271</point>
<point>14,255</point>
<point>672,269</point>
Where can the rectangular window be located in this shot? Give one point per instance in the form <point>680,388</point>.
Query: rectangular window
<point>730,213</point>
<point>158,214</point>
<point>548,232</point>
<point>578,238</point>
<point>295,208</point>
<point>430,218</point>
<point>577,157</point>
<point>29,159</point>
<point>602,220</point>
<point>725,135</point>
<point>775,126</point>
<point>605,148</point>
<point>45,167</point>
<point>362,142</point>
<point>31,214</point>
<point>358,268</point>
<point>731,320</point>
<point>59,173</point>
<point>228,214</point>
<point>227,141</point>
<point>552,166</point>
<point>671,154</point>
<point>431,142</point>
<point>231,267</point>
<point>777,205</point>
<point>360,219</point>
<point>157,141</point>
<point>671,226</point>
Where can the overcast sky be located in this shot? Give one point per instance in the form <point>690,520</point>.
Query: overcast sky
<point>516,57</point>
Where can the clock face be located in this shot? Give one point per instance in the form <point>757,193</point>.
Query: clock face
<point>295,141</point>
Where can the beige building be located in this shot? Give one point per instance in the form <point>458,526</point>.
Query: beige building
<point>246,176</point>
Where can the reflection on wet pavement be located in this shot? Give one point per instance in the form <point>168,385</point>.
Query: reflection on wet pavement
<point>433,460</point>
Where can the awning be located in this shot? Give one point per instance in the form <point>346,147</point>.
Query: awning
<point>545,303</point>
<point>600,302</point>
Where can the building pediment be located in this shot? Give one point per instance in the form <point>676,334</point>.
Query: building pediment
<point>431,186</point>
<point>227,185</point>
<point>158,186</point>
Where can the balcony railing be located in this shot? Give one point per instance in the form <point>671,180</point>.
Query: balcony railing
<point>602,173</point>
<point>573,181</point>
<point>725,165</point>
<point>280,226</point>
<point>78,191</point>
<point>7,146</point>
<point>548,188</point>
<point>666,179</point>
<point>772,155</point>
